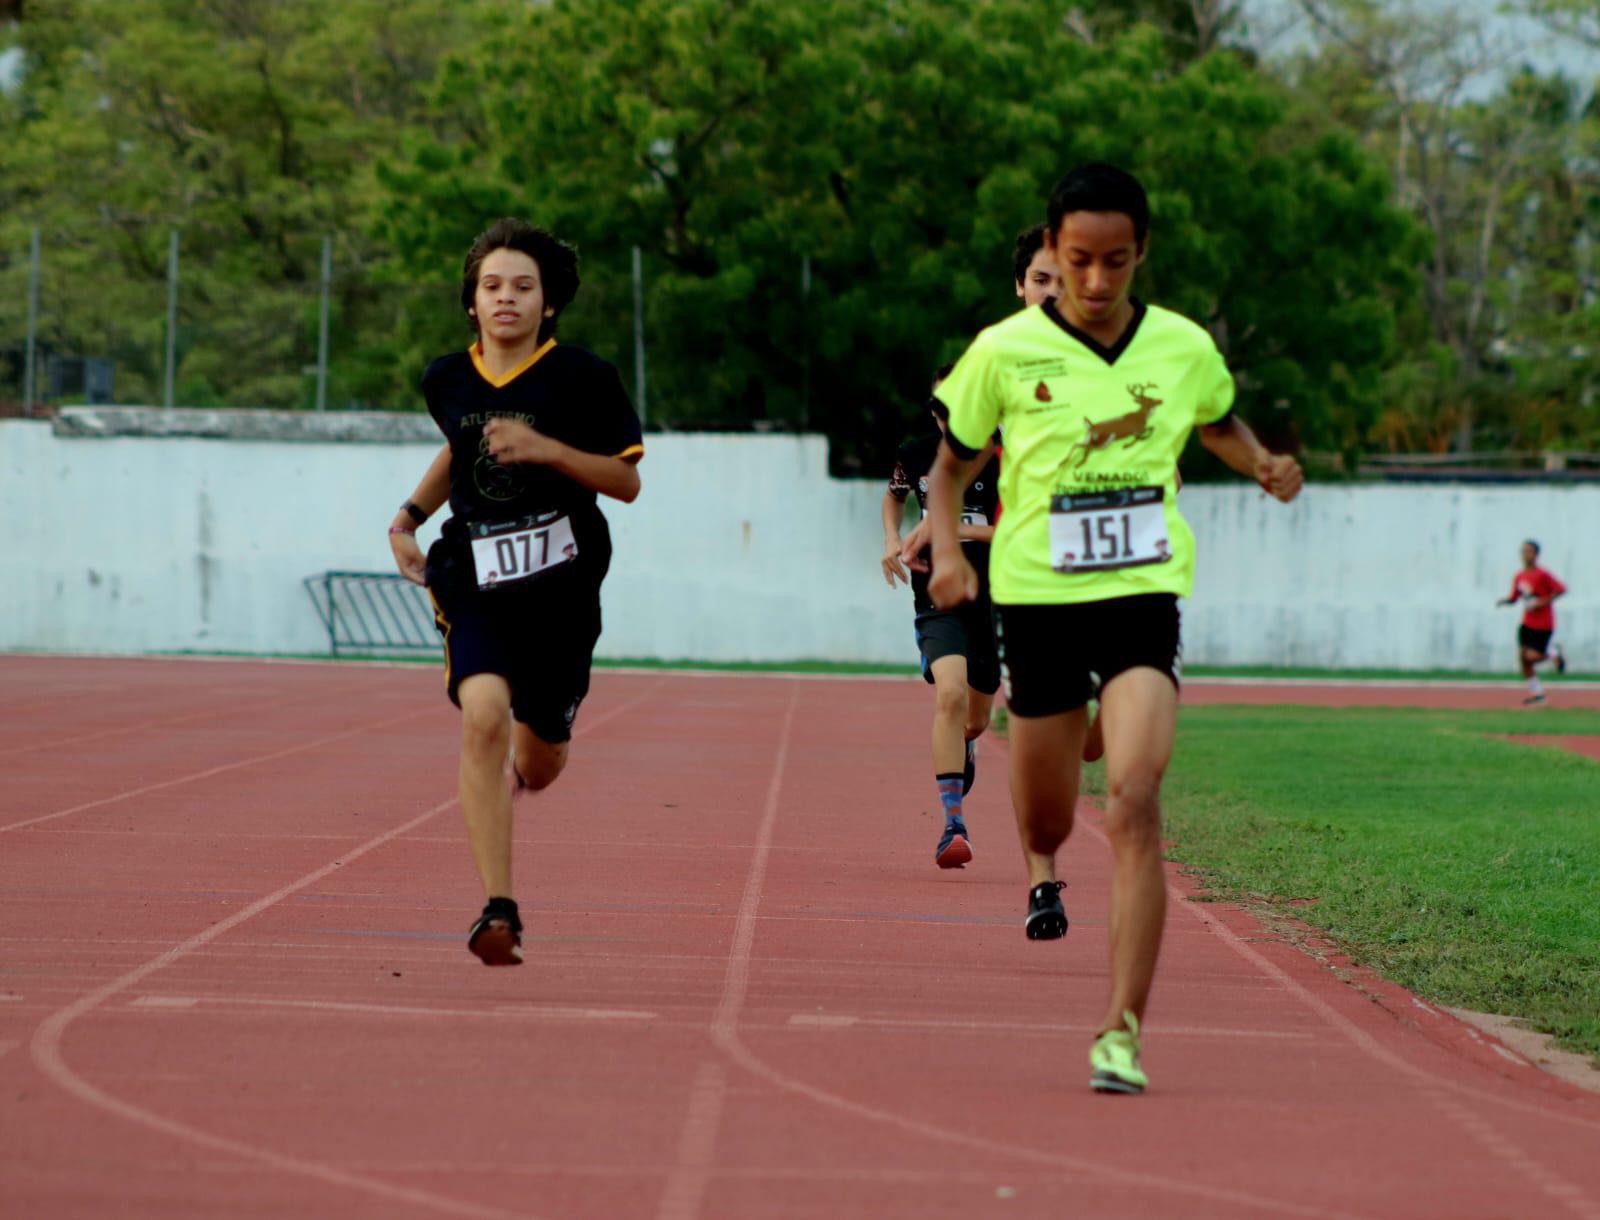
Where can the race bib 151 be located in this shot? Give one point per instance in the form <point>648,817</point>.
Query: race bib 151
<point>1104,530</point>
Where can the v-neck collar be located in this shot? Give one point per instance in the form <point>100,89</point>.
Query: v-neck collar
<point>1108,354</point>
<point>505,379</point>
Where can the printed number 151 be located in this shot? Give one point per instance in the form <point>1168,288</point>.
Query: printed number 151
<point>1104,528</point>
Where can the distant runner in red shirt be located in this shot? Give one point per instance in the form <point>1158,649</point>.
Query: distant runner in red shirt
<point>1535,588</point>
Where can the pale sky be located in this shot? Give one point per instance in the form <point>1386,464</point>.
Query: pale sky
<point>1280,26</point>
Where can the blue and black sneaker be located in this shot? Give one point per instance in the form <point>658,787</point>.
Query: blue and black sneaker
<point>969,773</point>
<point>1047,918</point>
<point>954,848</point>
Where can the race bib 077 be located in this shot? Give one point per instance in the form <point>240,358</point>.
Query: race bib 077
<point>514,551</point>
<point>1102,531</point>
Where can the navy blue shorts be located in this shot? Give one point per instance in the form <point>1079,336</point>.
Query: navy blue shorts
<point>967,631</point>
<point>540,640</point>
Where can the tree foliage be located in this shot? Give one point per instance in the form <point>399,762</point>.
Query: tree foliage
<point>899,147</point>
<point>251,127</point>
<point>1504,178</point>
<point>824,194</point>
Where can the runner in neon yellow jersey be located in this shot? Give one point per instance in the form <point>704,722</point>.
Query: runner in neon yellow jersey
<point>1096,395</point>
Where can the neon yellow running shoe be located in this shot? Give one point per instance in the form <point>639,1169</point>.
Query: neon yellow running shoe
<point>1115,1060</point>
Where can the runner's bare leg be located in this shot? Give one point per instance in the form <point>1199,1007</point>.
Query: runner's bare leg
<point>1140,709</point>
<point>978,705</point>
<point>950,714</point>
<point>538,761</point>
<point>1044,784</point>
<point>485,798</point>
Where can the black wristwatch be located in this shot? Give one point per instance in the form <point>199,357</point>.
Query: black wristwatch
<point>415,513</point>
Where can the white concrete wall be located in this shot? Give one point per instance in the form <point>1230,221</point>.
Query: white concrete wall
<point>740,548</point>
<point>1400,576</point>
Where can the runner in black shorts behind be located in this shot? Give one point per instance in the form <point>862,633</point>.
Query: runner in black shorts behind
<point>533,432</point>
<point>959,658</point>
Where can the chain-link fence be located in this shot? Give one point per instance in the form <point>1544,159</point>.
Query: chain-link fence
<point>163,317</point>
<point>170,322</point>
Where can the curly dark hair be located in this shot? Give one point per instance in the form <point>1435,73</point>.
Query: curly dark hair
<point>557,260</point>
<point>1029,243</point>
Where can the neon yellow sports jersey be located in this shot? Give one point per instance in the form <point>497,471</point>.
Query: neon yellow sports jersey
<point>1091,438</point>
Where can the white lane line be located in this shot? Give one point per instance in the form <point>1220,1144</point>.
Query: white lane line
<point>1436,1089</point>
<point>48,1057</point>
<point>832,1021</point>
<point>210,771</point>
<point>697,1144</point>
<point>823,1020</point>
<point>534,1012</point>
<point>212,713</point>
<point>725,1033</point>
<point>45,1047</point>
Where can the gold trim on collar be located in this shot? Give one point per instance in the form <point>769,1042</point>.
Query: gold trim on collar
<point>476,352</point>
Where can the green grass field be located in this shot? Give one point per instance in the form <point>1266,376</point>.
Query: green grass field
<point>1461,866</point>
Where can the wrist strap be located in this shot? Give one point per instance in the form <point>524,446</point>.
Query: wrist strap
<point>414,512</point>
<point>400,529</point>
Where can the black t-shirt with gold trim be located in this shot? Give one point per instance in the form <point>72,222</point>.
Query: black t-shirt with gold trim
<point>980,505</point>
<point>567,394</point>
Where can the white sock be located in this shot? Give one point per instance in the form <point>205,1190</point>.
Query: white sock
<point>1535,687</point>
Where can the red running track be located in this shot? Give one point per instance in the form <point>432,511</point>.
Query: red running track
<point>234,985</point>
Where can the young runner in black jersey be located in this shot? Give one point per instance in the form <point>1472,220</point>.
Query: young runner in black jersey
<point>959,658</point>
<point>533,432</point>
<point>1033,266</point>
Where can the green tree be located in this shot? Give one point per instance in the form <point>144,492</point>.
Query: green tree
<point>1578,19</point>
<point>899,147</point>
<point>251,127</point>
<point>1502,175</point>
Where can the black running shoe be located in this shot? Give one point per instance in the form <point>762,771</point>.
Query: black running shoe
<point>955,848</point>
<point>1047,918</point>
<point>1559,657</point>
<point>969,774</point>
<point>496,939</point>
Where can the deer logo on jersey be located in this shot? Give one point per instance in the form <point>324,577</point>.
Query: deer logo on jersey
<point>1042,392</point>
<point>1130,428</point>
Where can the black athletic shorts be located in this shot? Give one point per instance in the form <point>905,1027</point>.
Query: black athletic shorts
<point>967,631</point>
<point>540,640</point>
<point>1532,637</point>
<point>1052,656</point>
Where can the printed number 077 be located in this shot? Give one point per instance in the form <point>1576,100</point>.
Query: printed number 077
<point>506,551</point>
